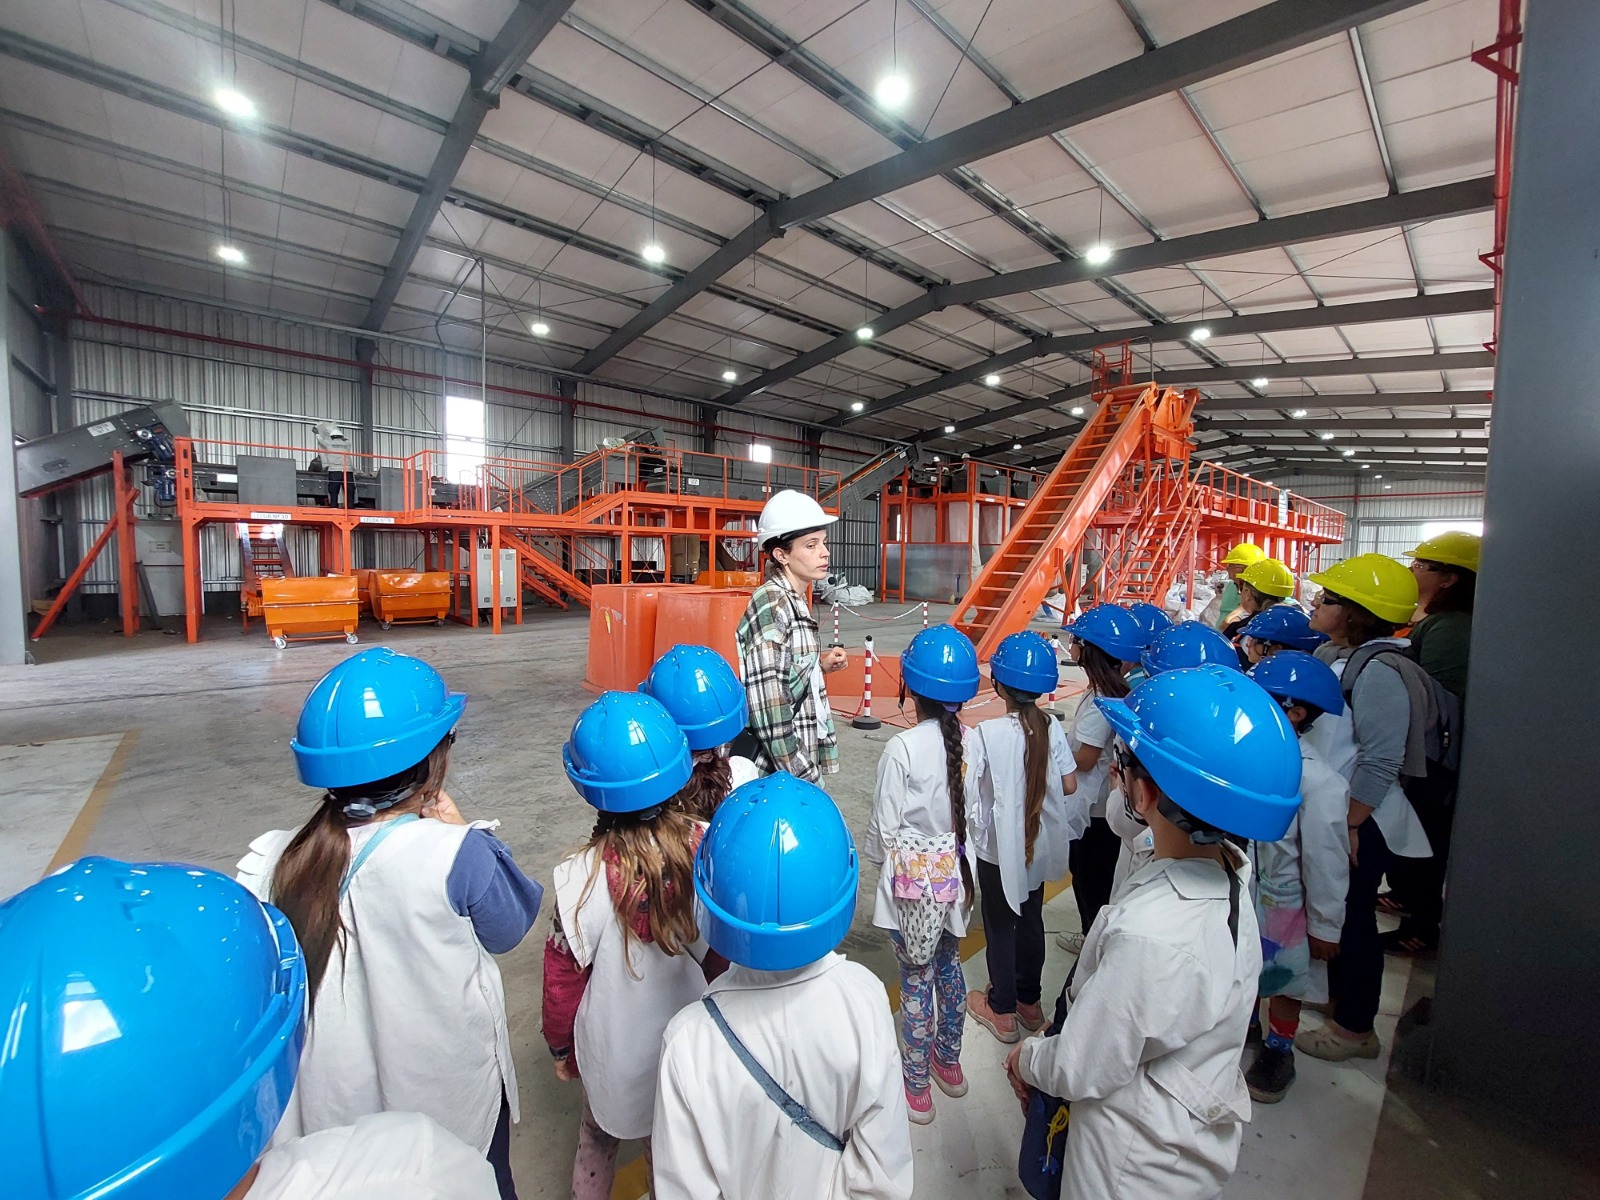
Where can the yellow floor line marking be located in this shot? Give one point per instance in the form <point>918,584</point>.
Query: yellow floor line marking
<point>632,1182</point>
<point>72,846</point>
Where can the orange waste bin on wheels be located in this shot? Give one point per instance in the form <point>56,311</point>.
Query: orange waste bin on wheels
<point>310,608</point>
<point>410,597</point>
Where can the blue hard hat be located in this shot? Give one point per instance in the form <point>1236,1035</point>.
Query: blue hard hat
<point>941,664</point>
<point>1112,628</point>
<point>1217,745</point>
<point>155,1018</point>
<point>372,716</point>
<point>1189,644</point>
<point>1026,663</point>
<point>698,687</point>
<point>1296,675</point>
<point>1286,625</point>
<point>1151,619</point>
<point>627,754</point>
<point>776,874</point>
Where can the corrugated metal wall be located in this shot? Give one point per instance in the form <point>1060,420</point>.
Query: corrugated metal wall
<point>263,381</point>
<point>1390,520</point>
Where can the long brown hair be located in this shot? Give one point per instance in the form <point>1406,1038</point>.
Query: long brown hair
<point>707,787</point>
<point>1035,760</point>
<point>1104,672</point>
<point>654,859</point>
<point>306,881</point>
<point>955,775</point>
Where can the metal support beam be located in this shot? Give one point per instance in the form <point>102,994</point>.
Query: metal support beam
<point>1428,204</point>
<point>1520,924</point>
<point>524,29</point>
<point>1459,361</point>
<point>708,429</point>
<point>1262,33</point>
<point>1364,313</point>
<point>367,439</point>
<point>1354,425</point>
<point>567,418</point>
<point>13,604</point>
<point>1352,400</point>
<point>68,510</point>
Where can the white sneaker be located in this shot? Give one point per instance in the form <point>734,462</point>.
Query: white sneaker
<point>1072,943</point>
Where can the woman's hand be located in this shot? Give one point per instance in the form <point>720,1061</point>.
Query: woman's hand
<point>444,809</point>
<point>834,659</point>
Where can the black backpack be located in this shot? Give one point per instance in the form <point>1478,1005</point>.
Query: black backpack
<point>1440,717</point>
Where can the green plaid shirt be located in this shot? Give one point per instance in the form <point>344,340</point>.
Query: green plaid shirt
<point>778,646</point>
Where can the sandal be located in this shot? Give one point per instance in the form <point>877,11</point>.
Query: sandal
<point>1390,903</point>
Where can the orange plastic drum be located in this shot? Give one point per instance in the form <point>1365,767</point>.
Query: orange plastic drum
<point>622,634</point>
<point>694,616</point>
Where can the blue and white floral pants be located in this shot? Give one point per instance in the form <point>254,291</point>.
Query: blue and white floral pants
<point>933,1008</point>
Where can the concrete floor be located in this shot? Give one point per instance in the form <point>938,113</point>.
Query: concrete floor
<point>152,749</point>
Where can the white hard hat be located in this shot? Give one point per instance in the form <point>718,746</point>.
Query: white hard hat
<point>789,512</point>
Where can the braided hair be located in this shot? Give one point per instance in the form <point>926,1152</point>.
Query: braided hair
<point>955,774</point>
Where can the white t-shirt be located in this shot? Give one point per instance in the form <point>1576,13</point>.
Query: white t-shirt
<point>1090,728</point>
<point>385,1156</point>
<point>997,800</point>
<point>913,793</point>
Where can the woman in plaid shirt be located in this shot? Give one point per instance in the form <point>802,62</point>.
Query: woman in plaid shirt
<point>780,650</point>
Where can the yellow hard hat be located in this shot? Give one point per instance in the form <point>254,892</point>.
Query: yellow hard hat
<point>1269,577</point>
<point>1376,582</point>
<point>1243,555</point>
<point>1454,549</point>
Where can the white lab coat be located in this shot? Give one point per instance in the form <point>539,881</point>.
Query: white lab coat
<point>386,1156</point>
<point>1310,865</point>
<point>826,1034</point>
<point>411,1017</point>
<point>1334,739</point>
<point>1149,1053</point>
<point>1090,728</point>
<point>913,794</point>
<point>997,800</point>
<point>632,992</point>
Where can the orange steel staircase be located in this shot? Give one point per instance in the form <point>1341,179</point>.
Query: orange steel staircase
<point>1137,427</point>
<point>262,555</point>
<point>1159,534</point>
<point>543,575</point>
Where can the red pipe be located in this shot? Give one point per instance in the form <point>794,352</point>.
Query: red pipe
<point>213,339</point>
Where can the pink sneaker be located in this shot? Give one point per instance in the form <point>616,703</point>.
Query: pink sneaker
<point>1002,1025</point>
<point>920,1105</point>
<point>1031,1016</point>
<point>949,1077</point>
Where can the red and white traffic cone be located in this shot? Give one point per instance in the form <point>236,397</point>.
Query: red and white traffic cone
<point>1050,700</point>
<point>864,718</point>
<point>924,614</point>
<point>836,641</point>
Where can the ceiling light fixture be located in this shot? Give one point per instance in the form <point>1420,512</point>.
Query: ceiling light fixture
<point>1298,413</point>
<point>1366,466</point>
<point>1387,486</point>
<point>864,334</point>
<point>1097,255</point>
<point>991,380</point>
<point>1076,410</point>
<point>936,458</point>
<point>1260,381</point>
<point>892,92</point>
<point>1377,476</point>
<point>730,376</point>
<point>235,103</point>
<point>539,329</point>
<point>1016,445</point>
<point>231,255</point>
<point>1327,437</point>
<point>1348,453</point>
<point>653,253</point>
<point>857,406</point>
<point>949,428</point>
<point>1200,334</point>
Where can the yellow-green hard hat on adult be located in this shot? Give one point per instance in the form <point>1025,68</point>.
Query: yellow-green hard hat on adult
<point>1452,548</point>
<point>1243,555</point>
<point>1376,582</point>
<point>1269,577</point>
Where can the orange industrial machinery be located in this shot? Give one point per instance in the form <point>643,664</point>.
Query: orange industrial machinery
<point>571,526</point>
<point>1128,475</point>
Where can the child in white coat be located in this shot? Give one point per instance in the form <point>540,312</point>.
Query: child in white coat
<point>918,834</point>
<point>625,953</point>
<point>784,1082</point>
<point>1024,814</point>
<point>1301,879</point>
<point>1148,1051</point>
<point>400,905</point>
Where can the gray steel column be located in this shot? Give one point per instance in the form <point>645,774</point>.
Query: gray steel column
<point>366,413</point>
<point>708,429</point>
<point>567,418</point>
<point>13,608</point>
<point>1519,972</point>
